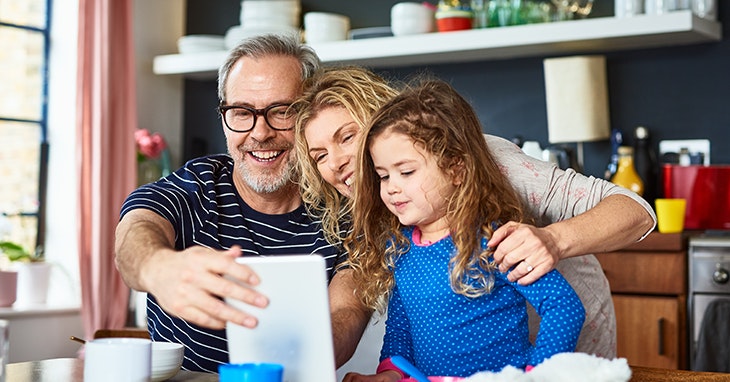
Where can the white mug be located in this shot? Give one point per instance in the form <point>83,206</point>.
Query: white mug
<point>118,360</point>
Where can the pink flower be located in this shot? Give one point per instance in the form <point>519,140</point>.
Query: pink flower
<point>151,146</point>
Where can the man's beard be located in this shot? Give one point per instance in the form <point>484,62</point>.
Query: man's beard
<point>269,181</point>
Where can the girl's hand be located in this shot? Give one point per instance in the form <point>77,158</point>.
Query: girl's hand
<point>386,376</point>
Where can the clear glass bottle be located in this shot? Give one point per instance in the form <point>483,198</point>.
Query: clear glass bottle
<point>626,175</point>
<point>481,13</point>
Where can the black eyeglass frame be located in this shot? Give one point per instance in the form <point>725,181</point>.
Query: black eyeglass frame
<point>222,109</point>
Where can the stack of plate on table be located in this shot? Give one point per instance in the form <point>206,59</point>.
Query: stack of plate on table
<point>197,43</point>
<point>265,16</point>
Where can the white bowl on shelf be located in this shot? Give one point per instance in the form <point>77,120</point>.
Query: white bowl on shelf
<point>325,26</point>
<point>236,33</point>
<point>200,43</point>
<point>167,358</point>
<point>259,13</point>
<point>411,18</point>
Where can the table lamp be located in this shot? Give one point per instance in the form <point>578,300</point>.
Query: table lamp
<point>577,100</point>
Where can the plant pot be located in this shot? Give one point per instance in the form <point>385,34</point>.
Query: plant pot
<point>8,287</point>
<point>33,280</point>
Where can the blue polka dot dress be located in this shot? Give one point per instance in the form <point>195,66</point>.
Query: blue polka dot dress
<point>444,333</point>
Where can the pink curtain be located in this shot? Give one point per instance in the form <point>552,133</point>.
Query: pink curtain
<point>107,118</point>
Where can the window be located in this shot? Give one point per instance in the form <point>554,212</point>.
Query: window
<point>24,52</point>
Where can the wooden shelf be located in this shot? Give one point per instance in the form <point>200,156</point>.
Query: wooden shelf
<point>558,38</point>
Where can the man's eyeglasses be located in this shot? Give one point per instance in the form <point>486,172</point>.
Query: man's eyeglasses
<point>242,119</point>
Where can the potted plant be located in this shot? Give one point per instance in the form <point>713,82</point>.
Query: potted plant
<point>8,280</point>
<point>33,273</point>
<point>15,252</point>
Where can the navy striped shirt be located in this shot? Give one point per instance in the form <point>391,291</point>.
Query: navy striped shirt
<point>205,209</point>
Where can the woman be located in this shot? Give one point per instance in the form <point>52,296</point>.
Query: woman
<point>575,215</point>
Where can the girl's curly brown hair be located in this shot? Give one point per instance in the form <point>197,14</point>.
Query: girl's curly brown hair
<point>443,123</point>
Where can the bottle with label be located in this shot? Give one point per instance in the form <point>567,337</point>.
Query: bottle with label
<point>626,175</point>
<point>645,163</point>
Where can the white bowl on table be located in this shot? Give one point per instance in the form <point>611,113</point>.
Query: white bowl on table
<point>167,358</point>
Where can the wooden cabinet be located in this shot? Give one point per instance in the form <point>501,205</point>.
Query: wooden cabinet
<point>649,287</point>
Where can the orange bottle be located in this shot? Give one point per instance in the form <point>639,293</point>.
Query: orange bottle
<point>626,175</point>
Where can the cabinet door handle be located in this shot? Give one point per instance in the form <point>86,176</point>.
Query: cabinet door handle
<point>661,336</point>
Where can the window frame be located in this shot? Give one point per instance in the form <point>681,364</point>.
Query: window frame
<point>42,122</point>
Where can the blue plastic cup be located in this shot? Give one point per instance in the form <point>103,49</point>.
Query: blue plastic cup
<point>251,372</point>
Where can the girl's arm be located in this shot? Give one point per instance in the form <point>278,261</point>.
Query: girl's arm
<point>397,339</point>
<point>561,311</point>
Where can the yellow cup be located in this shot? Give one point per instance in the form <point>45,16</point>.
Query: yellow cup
<point>670,214</point>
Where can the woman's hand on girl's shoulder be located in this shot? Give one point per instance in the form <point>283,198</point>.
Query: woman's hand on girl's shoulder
<point>525,251</point>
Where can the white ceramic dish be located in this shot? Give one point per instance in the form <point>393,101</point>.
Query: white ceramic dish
<point>200,43</point>
<point>270,13</point>
<point>411,18</point>
<point>373,32</point>
<point>325,26</point>
<point>237,33</point>
<point>167,358</point>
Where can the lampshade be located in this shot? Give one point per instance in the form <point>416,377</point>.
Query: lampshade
<point>577,99</point>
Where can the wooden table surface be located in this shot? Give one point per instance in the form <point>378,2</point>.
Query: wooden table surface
<point>72,370</point>
<point>647,374</point>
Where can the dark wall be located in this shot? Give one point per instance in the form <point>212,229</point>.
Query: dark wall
<point>677,92</point>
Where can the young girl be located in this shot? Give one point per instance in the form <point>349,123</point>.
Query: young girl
<point>428,197</point>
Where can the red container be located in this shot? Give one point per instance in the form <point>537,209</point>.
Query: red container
<point>707,191</point>
<point>447,21</point>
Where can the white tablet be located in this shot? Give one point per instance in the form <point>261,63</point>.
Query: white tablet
<point>295,329</point>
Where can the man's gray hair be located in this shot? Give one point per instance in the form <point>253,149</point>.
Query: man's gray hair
<point>269,45</point>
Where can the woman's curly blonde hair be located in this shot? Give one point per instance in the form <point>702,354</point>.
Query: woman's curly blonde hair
<point>360,92</point>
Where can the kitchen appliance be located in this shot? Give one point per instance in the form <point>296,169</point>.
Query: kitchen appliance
<point>707,191</point>
<point>562,156</point>
<point>709,286</point>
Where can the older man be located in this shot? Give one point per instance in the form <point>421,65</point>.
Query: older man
<point>178,237</point>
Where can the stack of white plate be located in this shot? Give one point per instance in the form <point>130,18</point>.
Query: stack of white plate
<point>200,43</point>
<point>268,13</point>
<point>265,16</point>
